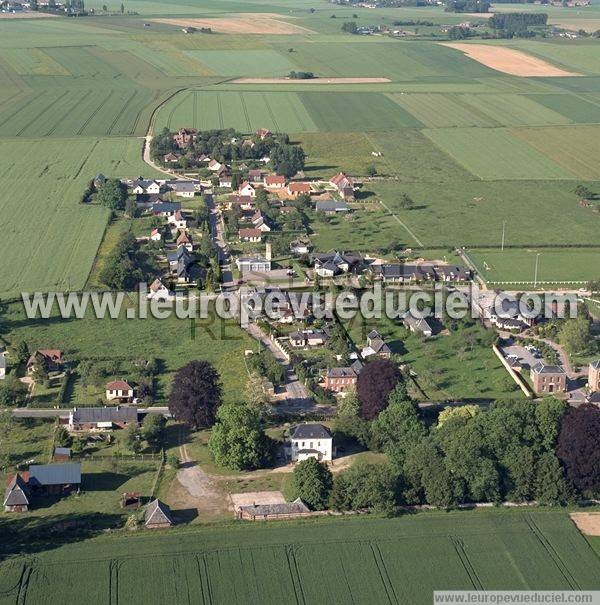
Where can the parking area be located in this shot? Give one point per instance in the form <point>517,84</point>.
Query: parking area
<point>525,356</point>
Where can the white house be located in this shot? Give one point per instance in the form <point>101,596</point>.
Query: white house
<point>247,188</point>
<point>2,366</point>
<point>119,389</point>
<point>158,291</point>
<point>146,187</point>
<point>178,221</point>
<point>311,441</point>
<point>155,235</point>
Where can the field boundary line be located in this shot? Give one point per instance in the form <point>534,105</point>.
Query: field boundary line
<point>419,242</point>
<point>93,114</point>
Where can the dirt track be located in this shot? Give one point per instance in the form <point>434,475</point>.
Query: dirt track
<point>251,23</point>
<point>310,81</point>
<point>509,60</point>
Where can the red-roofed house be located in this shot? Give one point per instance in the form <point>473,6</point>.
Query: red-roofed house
<point>274,181</point>
<point>296,189</point>
<point>263,133</point>
<point>185,240</point>
<point>344,185</point>
<point>184,136</point>
<point>119,390</point>
<point>250,235</point>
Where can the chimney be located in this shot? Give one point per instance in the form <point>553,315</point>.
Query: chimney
<point>268,253</point>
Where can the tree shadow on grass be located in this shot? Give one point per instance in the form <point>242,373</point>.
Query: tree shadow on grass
<point>23,534</point>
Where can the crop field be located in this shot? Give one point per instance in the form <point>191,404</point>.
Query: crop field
<point>45,179</point>
<point>581,57</point>
<point>247,63</point>
<point>578,109</point>
<point>554,264</point>
<point>354,560</point>
<point>494,153</point>
<point>574,148</point>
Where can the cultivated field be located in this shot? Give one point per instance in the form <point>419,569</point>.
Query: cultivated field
<point>510,61</point>
<point>357,560</point>
<point>251,23</point>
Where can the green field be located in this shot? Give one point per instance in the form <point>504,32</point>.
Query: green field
<point>340,561</point>
<point>50,240</point>
<point>495,154</point>
<point>244,63</point>
<point>554,265</point>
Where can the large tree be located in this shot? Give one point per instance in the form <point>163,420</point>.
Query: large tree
<point>578,448</point>
<point>311,482</point>
<point>112,194</point>
<point>288,159</point>
<point>375,382</point>
<point>237,440</point>
<point>196,394</point>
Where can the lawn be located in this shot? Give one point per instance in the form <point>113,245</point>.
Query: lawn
<point>342,560</point>
<point>173,342</point>
<point>472,213</point>
<point>494,153</point>
<point>62,235</point>
<point>554,264</point>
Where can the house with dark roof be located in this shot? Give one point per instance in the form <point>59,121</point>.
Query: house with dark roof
<point>342,379</point>
<point>311,440</point>
<point>185,189</point>
<point>51,359</point>
<point>331,206</point>
<point>105,418</point>
<point>308,338</point>
<point>145,187</point>
<point>452,273</point>
<point>165,209</point>
<point>335,263</point>
<point>16,496</point>
<point>376,346</point>
<point>418,325</point>
<point>548,379</point>
<point>158,515</point>
<point>61,454</point>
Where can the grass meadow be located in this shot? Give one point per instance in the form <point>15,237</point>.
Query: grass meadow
<point>342,560</point>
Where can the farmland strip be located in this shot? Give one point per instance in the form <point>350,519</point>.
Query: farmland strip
<point>466,563</point>
<point>123,109</point>
<point>245,109</point>
<point>270,110</point>
<point>22,107</point>
<point>295,576</point>
<point>43,112</point>
<point>91,116</point>
<point>220,110</point>
<point>67,113</point>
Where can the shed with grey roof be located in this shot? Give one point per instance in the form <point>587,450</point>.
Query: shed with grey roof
<point>55,478</point>
<point>158,515</point>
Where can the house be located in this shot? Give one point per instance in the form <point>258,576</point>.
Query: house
<point>331,206</point>
<point>158,515</point>
<point>418,325</point>
<point>300,246</point>
<point>165,209</point>
<point>255,176</point>
<point>376,346</point>
<point>182,265</point>
<point>54,478</point>
<point>548,379</point>
<point>396,272</point>
<point>61,454</point>
<point>308,338</point>
<point>247,189</point>
<point>145,187</point>
<point>311,441</point>
<point>244,202</point>
<point>344,185</point>
<point>263,133</point>
<point>158,291</point>
<point>16,496</point>
<point>594,376</point>
<point>105,418</point>
<point>342,379</point>
<point>147,200</point>
<point>214,166</point>
<point>258,264</point>
<point>278,510</point>
<point>509,323</point>
<point>185,189</point>
<point>184,137</point>
<point>296,189</point>
<point>452,273</point>
<point>225,179</point>
<point>119,390</point>
<point>50,358</point>
<point>261,224</point>
<point>334,263</point>
<point>155,235</point>
<point>185,240</point>
<point>2,365</point>
<point>169,158</point>
<point>250,235</point>
<point>177,220</point>
<point>274,181</point>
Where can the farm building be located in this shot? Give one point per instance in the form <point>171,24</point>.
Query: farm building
<point>331,206</point>
<point>311,441</point>
<point>16,497</point>
<point>61,454</point>
<point>55,478</point>
<point>264,512</point>
<point>158,515</point>
<point>119,390</point>
<point>106,418</point>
